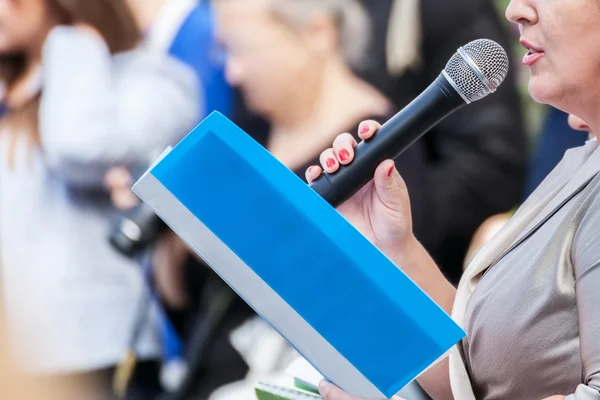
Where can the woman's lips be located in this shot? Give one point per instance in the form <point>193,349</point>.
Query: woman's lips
<point>533,53</point>
<point>531,58</point>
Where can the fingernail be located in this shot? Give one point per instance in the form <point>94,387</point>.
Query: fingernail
<point>344,154</point>
<point>330,162</point>
<point>364,129</point>
<point>309,170</point>
<point>391,171</point>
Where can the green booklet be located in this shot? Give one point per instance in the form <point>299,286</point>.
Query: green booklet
<point>302,387</point>
<point>267,391</point>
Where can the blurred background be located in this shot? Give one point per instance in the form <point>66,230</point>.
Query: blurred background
<point>99,299</point>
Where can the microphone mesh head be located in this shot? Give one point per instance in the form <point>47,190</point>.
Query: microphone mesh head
<point>477,69</point>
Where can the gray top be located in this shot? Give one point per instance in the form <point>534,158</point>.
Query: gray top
<point>533,321</point>
<point>71,300</point>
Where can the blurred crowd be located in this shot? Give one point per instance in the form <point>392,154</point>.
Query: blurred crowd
<point>92,91</point>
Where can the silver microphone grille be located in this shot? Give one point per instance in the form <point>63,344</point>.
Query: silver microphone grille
<point>477,69</point>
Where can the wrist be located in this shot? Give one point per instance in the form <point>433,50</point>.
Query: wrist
<point>412,258</point>
<point>404,253</point>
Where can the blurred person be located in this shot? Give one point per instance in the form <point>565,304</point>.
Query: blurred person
<point>293,62</point>
<point>477,158</point>
<point>80,97</point>
<point>184,29</point>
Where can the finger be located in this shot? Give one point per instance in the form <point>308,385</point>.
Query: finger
<point>123,199</point>
<point>343,147</point>
<point>367,129</point>
<point>389,185</point>
<point>329,161</point>
<point>331,392</point>
<point>312,173</point>
<point>117,177</point>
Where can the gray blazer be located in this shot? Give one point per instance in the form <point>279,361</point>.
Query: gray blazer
<point>71,300</point>
<point>529,299</point>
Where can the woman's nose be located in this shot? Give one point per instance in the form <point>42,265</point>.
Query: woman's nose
<point>521,12</point>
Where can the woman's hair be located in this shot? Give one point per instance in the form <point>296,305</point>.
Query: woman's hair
<point>111,18</point>
<point>404,36</point>
<point>351,18</point>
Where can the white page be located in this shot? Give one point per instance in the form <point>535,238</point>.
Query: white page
<point>304,371</point>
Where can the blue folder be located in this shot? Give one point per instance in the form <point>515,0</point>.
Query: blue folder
<point>353,314</point>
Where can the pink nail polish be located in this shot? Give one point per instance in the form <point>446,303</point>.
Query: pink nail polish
<point>344,154</point>
<point>391,170</point>
<point>330,162</point>
<point>364,129</point>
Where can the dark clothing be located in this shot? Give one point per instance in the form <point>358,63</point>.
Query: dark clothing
<point>554,140</point>
<point>477,157</point>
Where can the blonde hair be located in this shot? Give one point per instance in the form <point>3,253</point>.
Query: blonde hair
<point>350,17</point>
<point>404,36</point>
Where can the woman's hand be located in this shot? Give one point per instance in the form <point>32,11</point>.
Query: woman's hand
<point>118,182</point>
<point>332,392</point>
<point>381,209</point>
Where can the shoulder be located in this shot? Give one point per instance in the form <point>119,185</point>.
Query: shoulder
<point>144,76</point>
<point>147,63</point>
<point>85,49</point>
<point>572,160</point>
<point>586,240</point>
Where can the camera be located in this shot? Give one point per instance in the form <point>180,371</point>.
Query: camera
<point>134,230</point>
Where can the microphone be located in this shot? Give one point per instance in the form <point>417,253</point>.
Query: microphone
<point>473,72</point>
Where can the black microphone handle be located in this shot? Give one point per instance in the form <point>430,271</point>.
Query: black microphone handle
<point>434,104</point>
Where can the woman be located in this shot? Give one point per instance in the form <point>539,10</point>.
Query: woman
<point>80,98</point>
<point>528,300</point>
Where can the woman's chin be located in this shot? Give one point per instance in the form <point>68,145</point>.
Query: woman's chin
<point>541,92</point>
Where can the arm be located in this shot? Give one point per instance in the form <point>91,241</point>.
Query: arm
<point>585,255</point>
<point>92,118</point>
<point>416,262</point>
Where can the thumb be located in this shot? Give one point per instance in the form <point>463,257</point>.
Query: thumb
<point>389,185</point>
